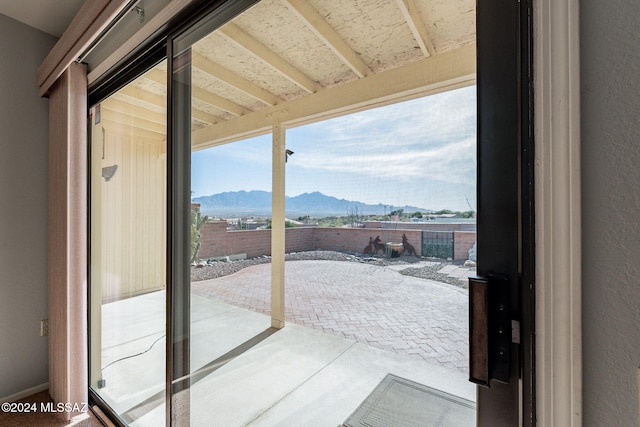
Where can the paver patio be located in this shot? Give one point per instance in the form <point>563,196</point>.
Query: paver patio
<point>369,304</point>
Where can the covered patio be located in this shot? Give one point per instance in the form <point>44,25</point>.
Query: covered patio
<point>247,373</point>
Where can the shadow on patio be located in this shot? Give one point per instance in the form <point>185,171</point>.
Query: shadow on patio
<point>299,375</point>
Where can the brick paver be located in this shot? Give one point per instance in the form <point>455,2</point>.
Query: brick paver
<point>369,304</point>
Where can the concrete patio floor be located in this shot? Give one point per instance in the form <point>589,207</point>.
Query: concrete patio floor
<point>295,376</point>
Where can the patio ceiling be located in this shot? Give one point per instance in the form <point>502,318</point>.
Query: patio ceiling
<point>298,61</point>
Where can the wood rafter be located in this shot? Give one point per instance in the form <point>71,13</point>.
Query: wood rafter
<point>237,35</point>
<point>202,95</point>
<point>125,129</point>
<point>411,15</point>
<point>442,72</point>
<point>138,111</point>
<point>129,120</point>
<point>232,79</point>
<point>321,28</point>
<point>161,101</point>
<point>218,102</point>
<point>204,117</point>
<point>144,96</point>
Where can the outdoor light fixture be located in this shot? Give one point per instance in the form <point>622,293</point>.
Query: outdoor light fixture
<point>289,152</point>
<point>108,172</point>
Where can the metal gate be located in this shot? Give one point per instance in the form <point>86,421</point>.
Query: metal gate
<point>437,244</point>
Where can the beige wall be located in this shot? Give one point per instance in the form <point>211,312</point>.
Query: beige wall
<point>23,208</point>
<point>130,245</point>
<point>610,128</point>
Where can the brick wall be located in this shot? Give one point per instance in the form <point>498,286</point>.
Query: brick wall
<point>216,241</point>
<point>357,239</point>
<point>426,226</point>
<point>462,242</point>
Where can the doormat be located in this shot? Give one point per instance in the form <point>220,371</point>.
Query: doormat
<point>399,402</point>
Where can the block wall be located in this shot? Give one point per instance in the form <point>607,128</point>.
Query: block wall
<point>216,241</point>
<point>425,226</point>
<point>462,242</point>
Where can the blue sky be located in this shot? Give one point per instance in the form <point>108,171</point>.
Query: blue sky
<point>420,152</point>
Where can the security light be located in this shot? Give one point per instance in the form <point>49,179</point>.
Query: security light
<point>108,172</point>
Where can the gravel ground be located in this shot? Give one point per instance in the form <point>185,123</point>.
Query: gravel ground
<point>215,269</point>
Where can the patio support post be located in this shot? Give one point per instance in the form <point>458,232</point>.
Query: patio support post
<point>277,225</point>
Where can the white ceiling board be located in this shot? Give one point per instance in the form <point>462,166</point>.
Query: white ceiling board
<point>297,61</point>
<point>449,24</point>
<point>275,26</point>
<point>50,16</point>
<point>222,51</point>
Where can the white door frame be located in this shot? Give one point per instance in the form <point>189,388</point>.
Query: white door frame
<point>558,219</point>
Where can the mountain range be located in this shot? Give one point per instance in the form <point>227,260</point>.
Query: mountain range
<point>247,203</point>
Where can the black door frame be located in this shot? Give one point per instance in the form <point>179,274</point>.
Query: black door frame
<point>505,195</point>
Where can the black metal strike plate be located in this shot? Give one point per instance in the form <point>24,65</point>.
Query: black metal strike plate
<point>489,329</point>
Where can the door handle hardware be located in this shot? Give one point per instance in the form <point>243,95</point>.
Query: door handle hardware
<point>490,329</point>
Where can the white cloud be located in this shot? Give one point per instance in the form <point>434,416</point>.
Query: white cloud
<point>454,162</point>
<point>368,156</point>
<point>435,119</point>
<point>432,137</point>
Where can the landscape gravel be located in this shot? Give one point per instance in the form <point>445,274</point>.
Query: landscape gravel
<point>215,269</point>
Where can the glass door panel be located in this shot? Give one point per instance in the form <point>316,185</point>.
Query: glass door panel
<point>341,153</point>
<point>128,249</point>
<point>388,196</point>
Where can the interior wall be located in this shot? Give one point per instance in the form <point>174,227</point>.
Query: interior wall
<point>23,208</point>
<point>610,128</point>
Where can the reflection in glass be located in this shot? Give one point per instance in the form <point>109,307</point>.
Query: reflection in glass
<point>128,248</point>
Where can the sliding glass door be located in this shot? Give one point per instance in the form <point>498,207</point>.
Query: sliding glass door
<point>284,213</point>
<point>259,340</point>
<point>128,247</point>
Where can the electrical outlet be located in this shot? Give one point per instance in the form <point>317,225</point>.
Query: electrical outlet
<point>44,327</point>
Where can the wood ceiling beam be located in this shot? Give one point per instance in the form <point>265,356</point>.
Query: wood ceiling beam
<point>436,74</point>
<point>205,117</point>
<point>161,101</point>
<point>124,129</point>
<point>321,28</point>
<point>218,101</point>
<point>203,95</point>
<point>134,122</point>
<point>232,79</point>
<point>207,97</point>
<point>144,96</point>
<point>235,34</point>
<point>412,16</point>
<point>133,110</point>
